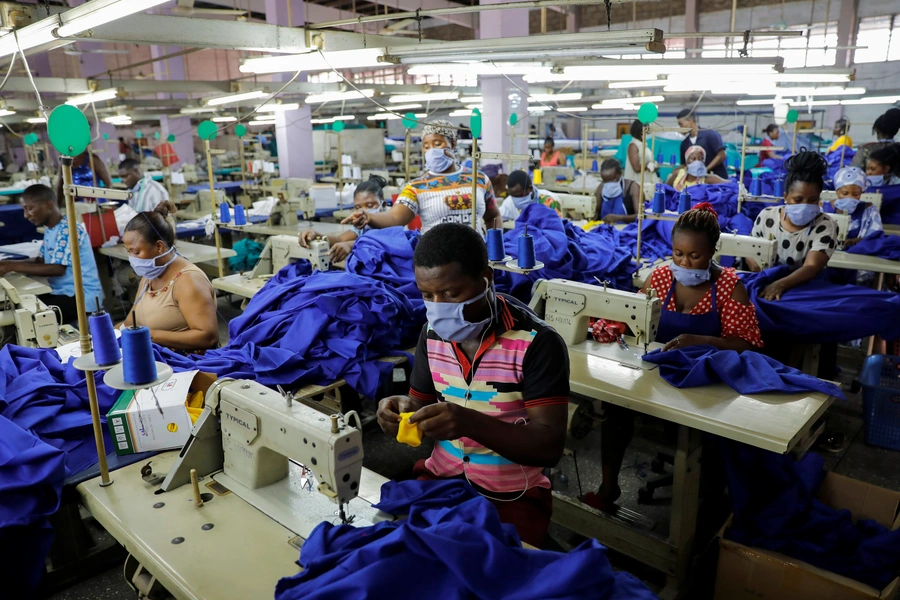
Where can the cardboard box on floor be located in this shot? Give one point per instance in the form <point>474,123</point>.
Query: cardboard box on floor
<point>753,574</point>
<point>137,425</point>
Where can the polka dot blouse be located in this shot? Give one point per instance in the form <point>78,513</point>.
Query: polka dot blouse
<point>792,247</point>
<point>738,320</point>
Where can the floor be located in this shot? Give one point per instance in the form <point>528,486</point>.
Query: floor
<point>383,455</point>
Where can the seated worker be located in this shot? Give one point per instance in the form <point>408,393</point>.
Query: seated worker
<point>708,139</point>
<point>865,218</point>
<point>442,195</point>
<point>175,298</point>
<point>483,348</point>
<point>618,199</point>
<point>884,129</point>
<point>805,236</point>
<point>55,261</point>
<point>883,166</point>
<point>520,193</point>
<point>695,172</point>
<point>147,194</point>
<point>704,303</point>
<point>551,157</point>
<point>86,168</point>
<point>772,133</point>
<point>841,135</point>
<point>368,197</point>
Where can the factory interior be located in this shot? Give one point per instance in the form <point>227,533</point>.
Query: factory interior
<point>275,276</point>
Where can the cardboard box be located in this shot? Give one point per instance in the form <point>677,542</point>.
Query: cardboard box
<point>136,423</point>
<point>754,574</point>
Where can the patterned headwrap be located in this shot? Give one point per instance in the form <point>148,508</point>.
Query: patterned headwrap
<point>693,149</point>
<point>851,176</point>
<point>441,127</point>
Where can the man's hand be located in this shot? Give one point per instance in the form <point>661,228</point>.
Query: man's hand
<point>612,219</point>
<point>307,236</point>
<point>388,413</point>
<point>442,421</point>
<point>358,219</point>
<point>340,251</point>
<point>773,291</point>
<point>684,340</point>
<point>851,242</point>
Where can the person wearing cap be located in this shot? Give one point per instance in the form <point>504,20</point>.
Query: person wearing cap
<point>695,172</point>
<point>521,193</point>
<point>708,139</point>
<point>443,194</point>
<point>849,184</point>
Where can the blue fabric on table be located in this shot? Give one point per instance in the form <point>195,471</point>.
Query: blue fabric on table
<point>836,160</point>
<point>744,372</point>
<point>878,244</point>
<point>822,312</point>
<point>784,516</point>
<point>890,203</point>
<point>452,546</point>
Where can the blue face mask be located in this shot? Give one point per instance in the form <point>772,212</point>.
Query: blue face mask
<point>876,180</point>
<point>612,190</point>
<point>522,201</point>
<point>848,205</point>
<point>447,320</point>
<point>801,214</point>
<point>437,161</point>
<point>689,277</point>
<point>147,267</point>
<point>697,169</point>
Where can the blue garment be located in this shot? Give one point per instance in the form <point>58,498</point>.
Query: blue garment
<point>83,175</point>
<point>864,220</point>
<point>784,516</point>
<point>835,163</point>
<point>823,312</point>
<point>452,546</point>
<point>673,323</point>
<point>612,206</point>
<point>878,244</point>
<point>745,372</point>
<point>711,141</point>
<point>890,203</point>
<point>57,251</point>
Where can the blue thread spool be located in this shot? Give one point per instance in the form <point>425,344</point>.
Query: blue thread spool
<point>755,187</point>
<point>660,158</point>
<point>778,188</point>
<point>527,258</point>
<point>224,213</point>
<point>594,166</point>
<point>240,217</point>
<point>496,251</point>
<point>138,364</point>
<point>103,334</point>
<point>673,160</point>
<point>659,201</point>
<point>684,202</point>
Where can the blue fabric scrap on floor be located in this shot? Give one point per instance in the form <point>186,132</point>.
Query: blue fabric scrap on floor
<point>451,547</point>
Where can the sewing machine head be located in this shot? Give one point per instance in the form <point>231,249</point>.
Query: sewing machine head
<point>843,226</point>
<point>744,246</point>
<point>578,206</point>
<point>203,202</point>
<point>286,249</point>
<point>36,324</point>
<point>569,306</point>
<point>285,210</point>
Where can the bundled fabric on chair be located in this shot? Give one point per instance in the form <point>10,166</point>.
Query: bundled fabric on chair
<point>784,516</point>
<point>744,372</point>
<point>248,252</point>
<point>452,546</point>
<point>878,244</point>
<point>890,203</point>
<point>31,478</point>
<point>823,312</point>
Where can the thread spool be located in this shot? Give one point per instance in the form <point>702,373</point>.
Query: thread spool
<point>755,187</point>
<point>224,213</point>
<point>660,158</point>
<point>659,201</point>
<point>536,177</point>
<point>672,160</point>
<point>594,166</point>
<point>684,202</point>
<point>240,217</point>
<point>496,251</point>
<point>778,188</point>
<point>103,334</point>
<point>138,364</point>
<point>527,258</point>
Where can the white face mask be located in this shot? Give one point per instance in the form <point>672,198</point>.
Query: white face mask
<point>147,267</point>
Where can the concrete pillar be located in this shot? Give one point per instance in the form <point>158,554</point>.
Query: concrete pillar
<point>692,25</point>
<point>573,19</point>
<point>847,23</point>
<point>293,131</point>
<point>184,143</point>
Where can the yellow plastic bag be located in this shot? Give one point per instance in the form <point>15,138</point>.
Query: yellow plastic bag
<point>408,433</point>
<point>194,405</point>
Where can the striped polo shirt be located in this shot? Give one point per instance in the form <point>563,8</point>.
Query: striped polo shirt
<point>522,364</point>
<point>447,198</point>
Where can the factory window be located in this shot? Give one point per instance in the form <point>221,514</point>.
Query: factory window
<point>881,36</point>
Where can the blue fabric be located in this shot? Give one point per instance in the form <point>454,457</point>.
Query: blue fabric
<point>673,323</point>
<point>82,174</point>
<point>784,516</point>
<point>878,244</point>
<point>835,163</point>
<point>744,372</point>
<point>822,312</point>
<point>890,203</point>
<point>452,546</point>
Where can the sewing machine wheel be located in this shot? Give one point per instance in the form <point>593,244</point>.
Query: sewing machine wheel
<point>582,420</point>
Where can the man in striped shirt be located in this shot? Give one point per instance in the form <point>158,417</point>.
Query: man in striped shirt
<point>490,383</point>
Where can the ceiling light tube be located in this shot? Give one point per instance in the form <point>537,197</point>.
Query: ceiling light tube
<point>36,120</point>
<point>390,117</point>
<point>321,121</point>
<point>100,96</point>
<point>766,102</point>
<point>313,61</point>
<point>872,100</point>
<point>272,107</point>
<point>477,68</point>
<point>99,12</point>
<point>401,107</point>
<point>224,119</point>
<point>471,99</point>
<point>570,96</point>
<point>337,96</point>
<point>343,117</point>
<point>32,36</point>
<point>565,109</point>
<point>627,85</point>
<point>817,91</point>
<point>6,113</point>
<point>235,98</point>
<point>633,100</point>
<point>261,123</point>
<point>196,110</point>
<point>621,107</point>
<point>817,103</point>
<point>423,97</point>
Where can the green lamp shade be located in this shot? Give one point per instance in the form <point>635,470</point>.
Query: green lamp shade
<point>68,129</point>
<point>475,123</point>
<point>792,116</point>
<point>171,137</point>
<point>240,131</point>
<point>155,135</point>
<point>338,126</point>
<point>105,136</point>
<point>138,134</point>
<point>513,119</point>
<point>647,113</point>
<point>207,130</point>
<point>409,120</point>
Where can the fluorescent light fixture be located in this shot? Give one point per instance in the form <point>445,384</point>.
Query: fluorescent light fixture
<point>271,108</point>
<point>461,113</point>
<point>621,107</point>
<point>423,97</point>
<point>321,121</point>
<point>338,96</point>
<point>235,98</point>
<point>196,110</point>
<point>271,118</point>
<point>816,91</point>
<point>816,103</point>
<point>572,109</point>
<point>766,102</point>
<point>644,70</point>
<point>390,117</point>
<point>471,99</point>
<point>99,12</point>
<point>36,34</point>
<point>401,107</point>
<point>555,97</point>
<point>313,61</point>
<point>478,106</point>
<point>224,119</point>
<point>477,68</point>
<point>6,113</point>
<point>343,117</point>
<point>634,100</point>
<point>100,96</point>
<point>628,85</point>
<point>872,100</point>
<point>36,120</point>
<point>261,123</point>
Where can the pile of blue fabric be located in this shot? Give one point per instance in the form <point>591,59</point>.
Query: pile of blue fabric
<point>784,516</point>
<point>890,203</point>
<point>878,244</point>
<point>835,161</point>
<point>451,546</point>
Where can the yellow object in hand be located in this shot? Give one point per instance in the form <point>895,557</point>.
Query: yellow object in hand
<point>408,432</point>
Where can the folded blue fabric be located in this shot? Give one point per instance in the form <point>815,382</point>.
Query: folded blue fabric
<point>745,372</point>
<point>890,203</point>
<point>823,312</point>
<point>878,244</point>
<point>784,516</point>
<point>452,546</point>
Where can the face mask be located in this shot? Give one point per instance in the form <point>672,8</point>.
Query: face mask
<point>801,214</point>
<point>436,161</point>
<point>447,320</point>
<point>848,205</point>
<point>522,201</point>
<point>697,169</point>
<point>147,267</point>
<point>689,277</point>
<point>876,180</point>
<point>612,190</point>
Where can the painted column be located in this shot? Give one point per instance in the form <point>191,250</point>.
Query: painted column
<point>172,69</point>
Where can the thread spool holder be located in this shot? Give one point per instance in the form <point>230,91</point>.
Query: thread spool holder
<point>512,264</point>
<point>115,378</point>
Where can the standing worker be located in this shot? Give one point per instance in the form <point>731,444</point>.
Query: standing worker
<point>633,162</point>
<point>147,194</point>
<point>84,167</point>
<point>708,139</point>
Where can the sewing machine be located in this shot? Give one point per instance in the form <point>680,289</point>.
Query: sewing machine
<point>843,226</point>
<point>190,173</point>
<point>569,306</point>
<point>578,206</point>
<point>285,210</point>
<point>745,246</point>
<point>36,324</point>
<point>551,174</point>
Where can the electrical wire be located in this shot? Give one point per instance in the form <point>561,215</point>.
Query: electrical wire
<point>41,107</point>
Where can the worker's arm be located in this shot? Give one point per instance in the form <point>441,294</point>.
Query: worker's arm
<point>335,238</point>
<point>492,218</point>
<point>398,216</point>
<point>100,169</point>
<point>671,178</point>
<point>421,391</point>
<point>752,265</point>
<point>199,310</point>
<point>36,267</point>
<point>713,179</point>
<point>717,160</point>
<point>634,157</point>
<point>815,262</point>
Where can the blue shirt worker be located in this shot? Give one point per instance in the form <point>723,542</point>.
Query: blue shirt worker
<point>708,139</point>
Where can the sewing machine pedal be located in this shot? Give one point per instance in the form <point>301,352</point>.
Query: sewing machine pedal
<point>631,518</point>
